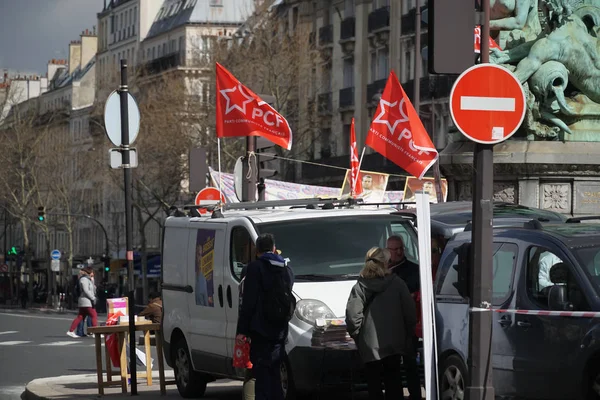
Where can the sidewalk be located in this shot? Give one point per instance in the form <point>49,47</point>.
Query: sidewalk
<point>83,387</point>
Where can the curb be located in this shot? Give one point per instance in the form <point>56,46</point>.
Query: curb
<point>40,389</point>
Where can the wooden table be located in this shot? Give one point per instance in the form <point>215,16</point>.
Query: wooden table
<point>122,333</point>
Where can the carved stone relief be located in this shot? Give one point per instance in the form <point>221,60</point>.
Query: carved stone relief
<point>556,197</point>
<point>505,192</point>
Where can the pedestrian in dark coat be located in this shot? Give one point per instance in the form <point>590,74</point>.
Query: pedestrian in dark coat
<point>381,318</point>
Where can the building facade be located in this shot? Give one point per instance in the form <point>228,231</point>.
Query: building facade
<point>360,42</point>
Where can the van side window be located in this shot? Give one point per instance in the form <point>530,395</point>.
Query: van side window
<point>504,262</point>
<point>546,270</point>
<point>242,250</point>
<point>449,277</point>
<point>411,250</point>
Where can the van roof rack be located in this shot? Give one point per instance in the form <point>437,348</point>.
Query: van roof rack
<point>312,203</point>
<point>535,224</point>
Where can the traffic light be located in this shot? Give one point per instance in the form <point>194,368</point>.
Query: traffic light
<point>265,153</point>
<point>13,251</point>
<point>41,214</point>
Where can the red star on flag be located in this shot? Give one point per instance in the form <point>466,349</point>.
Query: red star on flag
<point>237,93</point>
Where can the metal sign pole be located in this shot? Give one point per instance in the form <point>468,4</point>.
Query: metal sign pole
<point>481,276</point>
<point>123,91</point>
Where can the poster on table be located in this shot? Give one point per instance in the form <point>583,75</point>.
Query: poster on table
<point>413,185</point>
<point>205,259</point>
<point>373,186</point>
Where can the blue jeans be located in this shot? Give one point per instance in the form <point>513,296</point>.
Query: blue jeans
<point>79,331</point>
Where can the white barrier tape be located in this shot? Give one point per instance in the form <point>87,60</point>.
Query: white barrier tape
<point>581,314</point>
<point>479,309</point>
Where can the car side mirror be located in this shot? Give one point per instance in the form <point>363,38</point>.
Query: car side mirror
<point>558,299</point>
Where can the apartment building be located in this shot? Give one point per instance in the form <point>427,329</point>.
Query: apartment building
<point>71,90</point>
<point>360,42</point>
<point>122,26</point>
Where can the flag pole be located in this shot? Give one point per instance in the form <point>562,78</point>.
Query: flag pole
<point>359,164</point>
<point>220,175</point>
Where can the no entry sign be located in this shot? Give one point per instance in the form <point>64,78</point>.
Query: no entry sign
<point>487,103</point>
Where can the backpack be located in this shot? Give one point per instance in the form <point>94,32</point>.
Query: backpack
<point>279,302</point>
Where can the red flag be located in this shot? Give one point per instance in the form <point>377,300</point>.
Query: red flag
<point>398,134</point>
<point>493,44</point>
<point>240,112</point>
<point>355,183</point>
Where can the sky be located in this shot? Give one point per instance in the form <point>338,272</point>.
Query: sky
<point>35,31</point>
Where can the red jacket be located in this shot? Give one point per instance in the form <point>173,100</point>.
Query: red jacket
<point>417,298</point>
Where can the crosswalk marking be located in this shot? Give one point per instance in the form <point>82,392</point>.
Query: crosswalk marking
<point>14,343</point>
<point>8,332</point>
<point>62,343</point>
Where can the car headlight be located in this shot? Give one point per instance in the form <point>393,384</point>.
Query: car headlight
<point>310,310</point>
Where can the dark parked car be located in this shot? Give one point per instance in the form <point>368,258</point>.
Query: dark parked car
<point>450,218</point>
<point>537,266</point>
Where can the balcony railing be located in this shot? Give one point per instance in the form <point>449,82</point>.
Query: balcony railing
<point>379,19</point>
<point>326,35</point>
<point>374,88</point>
<point>324,105</point>
<point>164,63</point>
<point>407,21</point>
<point>438,87</point>
<point>348,28</point>
<point>347,97</point>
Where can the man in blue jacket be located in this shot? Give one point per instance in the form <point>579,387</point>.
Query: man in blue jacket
<point>268,282</point>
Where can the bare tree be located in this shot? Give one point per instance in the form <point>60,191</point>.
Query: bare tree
<point>23,152</point>
<point>73,174</point>
<point>282,60</point>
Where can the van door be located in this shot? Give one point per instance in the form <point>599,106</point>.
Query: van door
<point>206,305</point>
<point>240,251</point>
<point>452,316</point>
<point>546,347</point>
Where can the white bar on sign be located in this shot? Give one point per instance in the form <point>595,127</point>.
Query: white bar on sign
<point>473,103</point>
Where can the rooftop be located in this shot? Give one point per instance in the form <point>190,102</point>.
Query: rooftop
<point>175,13</point>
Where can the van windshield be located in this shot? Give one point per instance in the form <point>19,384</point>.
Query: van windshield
<point>334,248</point>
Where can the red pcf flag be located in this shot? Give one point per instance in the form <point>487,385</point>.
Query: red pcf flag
<point>355,184</point>
<point>398,134</point>
<point>240,112</point>
<point>493,44</point>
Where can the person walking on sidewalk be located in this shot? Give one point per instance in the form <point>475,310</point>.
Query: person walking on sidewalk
<point>267,307</point>
<point>86,301</point>
<point>80,331</point>
<point>381,318</point>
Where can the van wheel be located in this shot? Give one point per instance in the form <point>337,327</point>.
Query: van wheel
<point>453,381</point>
<point>287,382</point>
<point>190,383</point>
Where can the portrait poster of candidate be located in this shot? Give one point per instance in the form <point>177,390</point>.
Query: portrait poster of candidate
<point>413,185</point>
<point>205,259</point>
<point>373,185</point>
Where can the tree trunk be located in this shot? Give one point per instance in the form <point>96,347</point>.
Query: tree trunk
<point>28,264</point>
<point>51,280</point>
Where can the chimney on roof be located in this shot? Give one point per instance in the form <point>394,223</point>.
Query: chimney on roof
<point>89,47</point>
<point>74,56</point>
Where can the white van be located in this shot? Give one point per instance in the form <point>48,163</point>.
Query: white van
<point>202,259</point>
